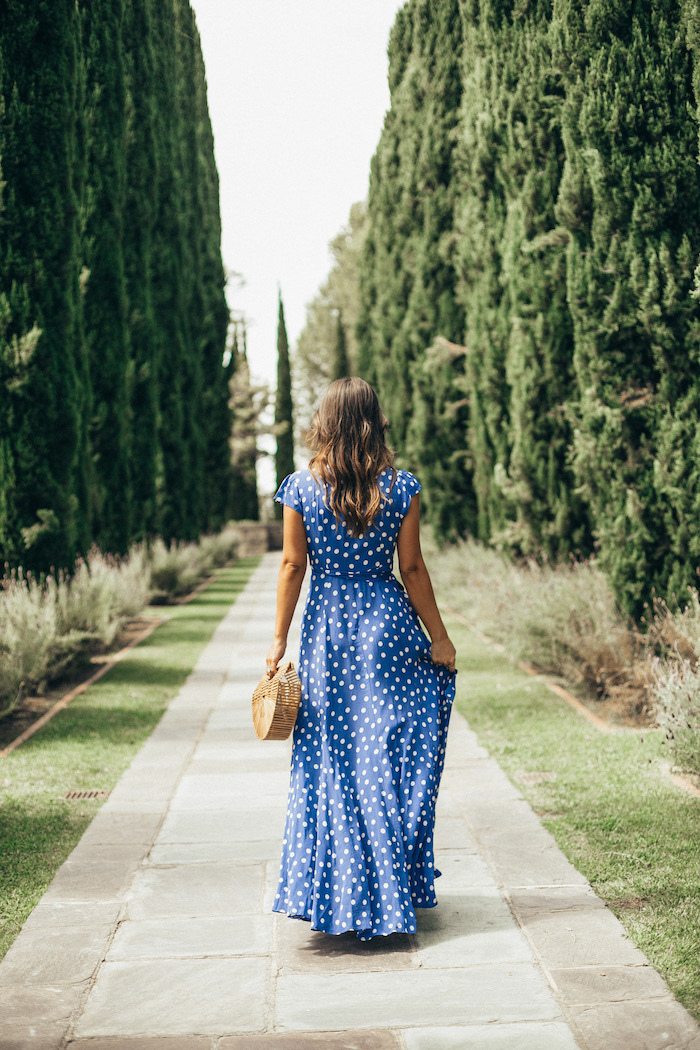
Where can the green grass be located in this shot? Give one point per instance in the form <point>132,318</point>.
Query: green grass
<point>89,745</point>
<point>612,809</point>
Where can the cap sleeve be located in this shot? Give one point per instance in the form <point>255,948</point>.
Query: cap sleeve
<point>411,485</point>
<point>288,493</point>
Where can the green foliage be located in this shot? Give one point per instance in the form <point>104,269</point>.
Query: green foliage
<point>341,362</point>
<point>315,364</point>
<point>43,170</point>
<point>407,277</point>
<point>284,421</point>
<point>530,300</point>
<point>114,402</point>
<point>248,401</point>
<point>630,201</point>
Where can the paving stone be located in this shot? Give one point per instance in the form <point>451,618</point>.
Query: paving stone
<point>202,889</point>
<point>55,956</point>
<point>227,763</point>
<point>299,949</point>
<point>323,1040</point>
<point>33,1037</point>
<point>470,928</point>
<point>202,792</point>
<point>272,872</point>
<point>462,869</point>
<point>26,1008</point>
<point>217,825</point>
<point>453,833</point>
<point>176,997</point>
<point>570,927</point>
<point>96,873</point>
<point>119,1042</point>
<point>110,828</point>
<point>607,984</point>
<point>550,1035</point>
<point>143,785</point>
<point>520,850</point>
<point>485,781</point>
<point>637,1026</point>
<point>168,853</point>
<point>193,938</point>
<point>413,997</point>
<point>74,913</point>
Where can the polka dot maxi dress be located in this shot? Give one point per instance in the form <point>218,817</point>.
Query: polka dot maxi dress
<point>369,741</point>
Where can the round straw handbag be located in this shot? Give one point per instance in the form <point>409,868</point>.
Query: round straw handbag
<point>276,702</point>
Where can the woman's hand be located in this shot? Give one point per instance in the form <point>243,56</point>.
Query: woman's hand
<point>443,652</point>
<point>275,653</point>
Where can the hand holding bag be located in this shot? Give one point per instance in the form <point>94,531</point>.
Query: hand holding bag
<point>276,703</point>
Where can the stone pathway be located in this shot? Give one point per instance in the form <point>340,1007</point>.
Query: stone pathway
<point>156,934</point>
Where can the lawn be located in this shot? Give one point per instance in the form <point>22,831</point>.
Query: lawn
<point>611,806</point>
<point>89,745</point>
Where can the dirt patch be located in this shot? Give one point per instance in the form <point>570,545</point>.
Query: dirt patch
<point>629,903</point>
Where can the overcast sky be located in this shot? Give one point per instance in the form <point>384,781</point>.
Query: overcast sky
<point>297,95</point>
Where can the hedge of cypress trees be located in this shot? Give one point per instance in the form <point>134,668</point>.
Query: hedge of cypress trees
<point>533,228</point>
<point>115,417</point>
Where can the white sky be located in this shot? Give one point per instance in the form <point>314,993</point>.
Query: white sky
<point>297,96</point>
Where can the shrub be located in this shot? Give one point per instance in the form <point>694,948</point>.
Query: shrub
<point>677,693</point>
<point>562,619</point>
<point>175,570</point>
<point>220,547</point>
<point>46,624</point>
<point>28,633</point>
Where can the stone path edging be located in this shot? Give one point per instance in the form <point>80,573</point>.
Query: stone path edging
<point>157,933</point>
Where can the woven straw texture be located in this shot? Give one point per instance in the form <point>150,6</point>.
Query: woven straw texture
<point>276,703</point>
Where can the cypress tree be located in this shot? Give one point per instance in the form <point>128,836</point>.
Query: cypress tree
<point>140,212</point>
<point>340,361</point>
<point>512,265</point>
<point>247,402</point>
<point>105,306</point>
<point>171,290</point>
<point>630,199</point>
<point>284,422</point>
<point>407,275</point>
<point>314,353</point>
<point>43,171</point>
<point>214,413</point>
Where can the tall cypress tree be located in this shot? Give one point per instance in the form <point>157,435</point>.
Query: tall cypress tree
<point>630,200</point>
<point>105,305</point>
<point>39,269</point>
<point>215,414</point>
<point>140,213</point>
<point>246,404</point>
<point>407,277</point>
<point>284,421</point>
<point>341,364</point>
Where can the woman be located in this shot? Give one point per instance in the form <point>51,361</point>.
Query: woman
<point>369,741</point>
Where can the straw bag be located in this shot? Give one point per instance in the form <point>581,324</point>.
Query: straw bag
<point>276,702</point>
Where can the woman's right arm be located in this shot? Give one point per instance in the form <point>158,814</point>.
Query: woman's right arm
<point>416,580</point>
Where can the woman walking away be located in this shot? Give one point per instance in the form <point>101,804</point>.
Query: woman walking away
<point>376,695</point>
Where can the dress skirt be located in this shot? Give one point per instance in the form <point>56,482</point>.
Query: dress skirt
<point>368,754</point>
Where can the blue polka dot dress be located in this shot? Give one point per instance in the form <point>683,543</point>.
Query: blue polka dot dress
<point>369,741</point>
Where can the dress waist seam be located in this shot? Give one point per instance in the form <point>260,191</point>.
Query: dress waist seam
<point>387,574</point>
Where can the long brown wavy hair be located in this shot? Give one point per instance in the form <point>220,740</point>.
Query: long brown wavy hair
<point>348,439</point>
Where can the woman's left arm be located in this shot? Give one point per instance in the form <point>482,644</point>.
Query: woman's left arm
<point>292,569</point>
